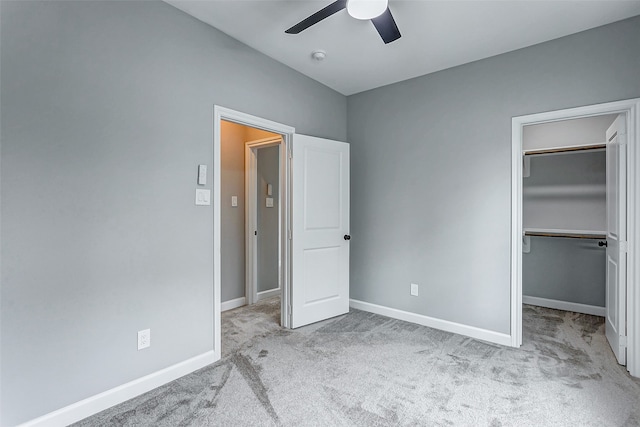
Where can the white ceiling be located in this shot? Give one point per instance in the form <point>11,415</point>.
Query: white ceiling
<point>436,34</point>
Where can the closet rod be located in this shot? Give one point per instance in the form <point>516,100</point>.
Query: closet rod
<point>568,235</point>
<point>565,149</point>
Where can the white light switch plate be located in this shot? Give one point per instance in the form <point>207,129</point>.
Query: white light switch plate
<point>202,174</point>
<point>234,201</point>
<point>203,197</point>
<point>269,202</point>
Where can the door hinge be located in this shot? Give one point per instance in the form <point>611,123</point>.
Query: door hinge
<point>255,233</point>
<point>290,153</point>
<point>289,234</point>
<point>624,246</point>
<point>623,341</point>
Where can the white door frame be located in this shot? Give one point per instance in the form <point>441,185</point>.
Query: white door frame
<point>631,108</point>
<point>219,114</point>
<point>251,217</point>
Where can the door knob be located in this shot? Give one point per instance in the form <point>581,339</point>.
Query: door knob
<point>602,244</point>
<point>347,237</point>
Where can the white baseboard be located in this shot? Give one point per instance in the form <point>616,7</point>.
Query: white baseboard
<point>94,404</point>
<point>567,306</point>
<point>231,304</point>
<point>269,294</point>
<point>432,322</point>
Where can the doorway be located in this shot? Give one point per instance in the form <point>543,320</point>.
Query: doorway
<point>314,223</point>
<point>263,218</point>
<point>628,288</point>
<point>286,133</point>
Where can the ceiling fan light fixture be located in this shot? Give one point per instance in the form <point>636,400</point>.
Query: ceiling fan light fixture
<point>366,9</point>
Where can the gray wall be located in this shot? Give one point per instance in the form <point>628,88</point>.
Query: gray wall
<point>431,170</point>
<point>571,270</point>
<point>268,229</point>
<point>232,219</point>
<point>566,191</point>
<point>106,112</point>
<point>584,131</point>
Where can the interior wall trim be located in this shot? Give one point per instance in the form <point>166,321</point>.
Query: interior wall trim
<point>99,402</point>
<point>432,322</point>
<point>232,303</point>
<point>271,293</point>
<point>593,310</point>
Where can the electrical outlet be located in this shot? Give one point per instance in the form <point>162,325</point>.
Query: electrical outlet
<point>414,289</point>
<point>144,339</point>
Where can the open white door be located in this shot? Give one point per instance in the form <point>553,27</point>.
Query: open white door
<point>320,225</point>
<point>617,238</point>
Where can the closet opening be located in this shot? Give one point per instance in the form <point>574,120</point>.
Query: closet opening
<point>574,225</point>
<point>564,259</point>
<point>565,214</point>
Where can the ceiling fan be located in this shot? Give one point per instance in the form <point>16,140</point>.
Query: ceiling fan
<point>375,10</point>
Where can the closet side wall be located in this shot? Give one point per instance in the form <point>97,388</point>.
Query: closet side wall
<point>584,131</point>
<point>232,218</point>
<point>567,270</point>
<point>566,191</point>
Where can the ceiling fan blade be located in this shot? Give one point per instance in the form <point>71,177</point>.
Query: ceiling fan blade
<point>334,7</point>
<point>386,26</point>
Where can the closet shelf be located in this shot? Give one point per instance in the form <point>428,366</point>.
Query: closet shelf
<point>572,234</point>
<point>573,191</point>
<point>565,149</point>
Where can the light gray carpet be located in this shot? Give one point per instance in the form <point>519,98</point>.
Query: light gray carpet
<point>362,369</point>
